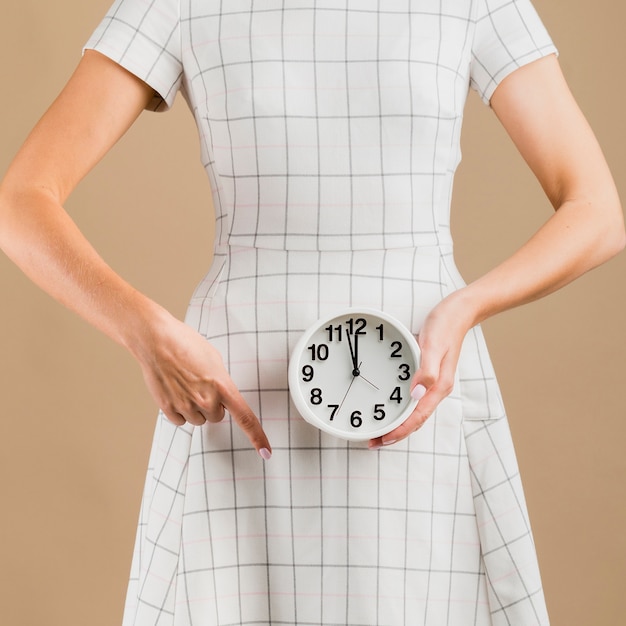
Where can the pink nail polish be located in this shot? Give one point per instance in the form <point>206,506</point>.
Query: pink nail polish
<point>265,454</point>
<point>418,392</point>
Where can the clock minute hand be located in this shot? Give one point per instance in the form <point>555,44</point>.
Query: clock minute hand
<point>353,354</point>
<point>369,382</point>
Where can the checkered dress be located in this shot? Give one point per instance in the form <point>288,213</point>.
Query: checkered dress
<point>330,134</point>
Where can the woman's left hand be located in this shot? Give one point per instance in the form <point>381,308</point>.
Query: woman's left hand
<point>440,340</point>
<point>540,114</point>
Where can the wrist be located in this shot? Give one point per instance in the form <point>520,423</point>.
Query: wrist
<point>465,307</point>
<point>142,325</point>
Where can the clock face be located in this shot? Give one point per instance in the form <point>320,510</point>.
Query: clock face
<point>350,374</point>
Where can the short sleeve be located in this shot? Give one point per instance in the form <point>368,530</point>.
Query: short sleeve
<point>143,36</point>
<point>508,35</point>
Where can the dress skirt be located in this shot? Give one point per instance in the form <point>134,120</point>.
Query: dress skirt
<point>432,530</point>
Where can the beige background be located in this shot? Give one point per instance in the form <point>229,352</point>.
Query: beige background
<point>76,422</point>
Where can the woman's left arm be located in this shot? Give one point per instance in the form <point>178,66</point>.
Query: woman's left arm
<point>537,109</point>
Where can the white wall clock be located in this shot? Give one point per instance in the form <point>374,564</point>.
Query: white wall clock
<point>350,374</point>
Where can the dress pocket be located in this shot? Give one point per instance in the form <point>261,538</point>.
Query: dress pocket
<point>477,383</point>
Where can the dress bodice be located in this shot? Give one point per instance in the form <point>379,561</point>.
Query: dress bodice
<point>329,127</point>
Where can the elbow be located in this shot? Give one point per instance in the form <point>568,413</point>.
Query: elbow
<point>620,242</point>
<point>601,223</point>
<point>15,203</point>
<point>7,216</point>
<point>617,235</point>
<point>4,210</point>
<point>613,235</point>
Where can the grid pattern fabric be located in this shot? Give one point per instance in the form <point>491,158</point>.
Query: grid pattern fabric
<point>330,132</point>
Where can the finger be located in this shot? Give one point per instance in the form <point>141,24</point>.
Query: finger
<point>213,415</point>
<point>196,418</point>
<point>211,409</point>
<point>186,414</point>
<point>430,364</point>
<point>428,400</point>
<point>423,384</point>
<point>418,392</point>
<point>176,418</point>
<point>182,412</point>
<point>414,422</point>
<point>248,422</point>
<point>417,418</point>
<point>375,444</point>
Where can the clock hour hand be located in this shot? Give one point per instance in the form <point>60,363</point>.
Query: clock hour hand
<point>353,354</point>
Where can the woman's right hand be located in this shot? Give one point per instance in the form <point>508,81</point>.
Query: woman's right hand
<point>187,377</point>
<point>185,374</point>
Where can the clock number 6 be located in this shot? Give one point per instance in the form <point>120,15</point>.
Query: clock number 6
<point>355,419</point>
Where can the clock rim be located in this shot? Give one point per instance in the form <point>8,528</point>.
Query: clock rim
<point>293,373</point>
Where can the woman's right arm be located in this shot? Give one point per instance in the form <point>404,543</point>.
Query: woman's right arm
<point>184,373</point>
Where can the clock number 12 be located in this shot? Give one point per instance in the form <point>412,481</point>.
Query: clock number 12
<point>356,327</point>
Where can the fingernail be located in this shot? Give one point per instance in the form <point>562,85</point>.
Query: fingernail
<point>265,454</point>
<point>418,392</point>
<point>390,442</point>
<point>376,446</point>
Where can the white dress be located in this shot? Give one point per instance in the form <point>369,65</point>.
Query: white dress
<point>330,134</point>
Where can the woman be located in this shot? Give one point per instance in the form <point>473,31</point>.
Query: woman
<point>330,135</point>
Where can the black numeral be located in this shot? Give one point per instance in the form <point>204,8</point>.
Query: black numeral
<point>334,331</point>
<point>396,395</point>
<point>356,327</point>
<point>334,408</point>
<point>355,419</point>
<point>307,373</point>
<point>380,329</point>
<point>406,372</point>
<point>316,395</point>
<point>397,347</point>
<point>379,411</point>
<point>319,352</point>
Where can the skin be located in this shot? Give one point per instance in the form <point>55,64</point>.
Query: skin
<point>184,373</point>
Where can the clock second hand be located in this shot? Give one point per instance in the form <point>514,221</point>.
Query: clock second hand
<point>346,394</point>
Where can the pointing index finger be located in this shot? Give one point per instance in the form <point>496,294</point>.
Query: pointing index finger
<point>249,423</point>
